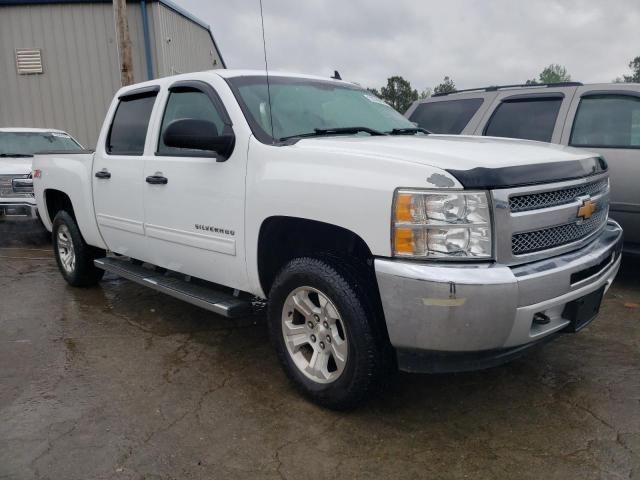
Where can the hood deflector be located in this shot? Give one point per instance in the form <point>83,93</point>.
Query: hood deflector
<point>489,178</point>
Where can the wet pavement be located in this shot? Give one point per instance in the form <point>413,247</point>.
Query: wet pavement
<point>121,382</point>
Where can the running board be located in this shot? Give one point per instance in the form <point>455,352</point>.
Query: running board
<point>216,301</point>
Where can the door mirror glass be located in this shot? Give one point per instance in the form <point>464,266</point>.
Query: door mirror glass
<point>201,135</point>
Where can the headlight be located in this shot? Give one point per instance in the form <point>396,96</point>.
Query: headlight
<point>438,224</point>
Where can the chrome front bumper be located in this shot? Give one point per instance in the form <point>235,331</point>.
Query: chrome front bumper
<point>18,209</point>
<point>455,308</point>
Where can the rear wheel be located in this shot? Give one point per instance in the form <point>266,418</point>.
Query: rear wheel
<point>324,331</point>
<point>73,255</point>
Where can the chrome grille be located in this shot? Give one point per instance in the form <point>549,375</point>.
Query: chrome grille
<point>522,203</point>
<point>534,222</point>
<point>6,187</point>
<point>538,240</point>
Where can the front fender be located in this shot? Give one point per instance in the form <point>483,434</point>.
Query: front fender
<point>354,192</point>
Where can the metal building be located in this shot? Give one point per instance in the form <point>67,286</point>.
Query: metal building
<point>59,61</point>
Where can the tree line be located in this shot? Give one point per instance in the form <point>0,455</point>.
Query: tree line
<point>399,93</point>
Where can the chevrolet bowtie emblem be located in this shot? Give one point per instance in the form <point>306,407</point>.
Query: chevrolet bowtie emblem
<point>587,209</point>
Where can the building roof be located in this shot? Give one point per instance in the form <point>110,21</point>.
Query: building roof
<point>167,3</point>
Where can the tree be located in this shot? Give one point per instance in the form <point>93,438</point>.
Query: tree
<point>398,93</point>
<point>447,86</point>
<point>552,74</point>
<point>634,65</point>
<point>426,93</point>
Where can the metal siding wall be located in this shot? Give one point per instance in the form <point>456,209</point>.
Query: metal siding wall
<point>80,67</point>
<point>136,33</point>
<point>182,45</point>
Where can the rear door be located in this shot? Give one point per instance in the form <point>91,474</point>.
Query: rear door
<point>606,120</point>
<point>533,115</point>
<point>118,174</point>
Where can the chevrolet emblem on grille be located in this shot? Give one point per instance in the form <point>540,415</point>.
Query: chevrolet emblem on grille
<point>587,209</point>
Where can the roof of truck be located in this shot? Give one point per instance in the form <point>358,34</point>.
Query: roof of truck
<point>224,73</point>
<point>230,73</point>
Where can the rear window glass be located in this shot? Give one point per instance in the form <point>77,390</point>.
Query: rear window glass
<point>449,116</point>
<point>607,121</point>
<point>531,119</point>
<point>129,127</point>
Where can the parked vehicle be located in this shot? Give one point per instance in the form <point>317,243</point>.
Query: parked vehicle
<point>17,146</point>
<point>374,243</point>
<point>603,118</point>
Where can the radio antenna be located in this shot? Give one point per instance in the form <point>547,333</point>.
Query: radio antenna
<point>266,68</point>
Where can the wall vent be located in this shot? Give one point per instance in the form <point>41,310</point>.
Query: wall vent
<point>28,61</point>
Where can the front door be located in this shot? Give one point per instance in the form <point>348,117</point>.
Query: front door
<point>194,199</point>
<point>118,175</point>
<point>608,122</point>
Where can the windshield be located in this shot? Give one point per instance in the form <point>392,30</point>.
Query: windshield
<point>302,106</point>
<point>28,143</point>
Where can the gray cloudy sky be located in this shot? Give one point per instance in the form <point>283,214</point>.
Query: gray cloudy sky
<point>477,43</point>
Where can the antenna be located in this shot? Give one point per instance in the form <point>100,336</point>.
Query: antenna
<point>266,68</point>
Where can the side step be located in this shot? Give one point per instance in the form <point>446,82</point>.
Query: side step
<point>216,301</point>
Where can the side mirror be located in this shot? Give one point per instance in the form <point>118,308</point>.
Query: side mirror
<point>193,134</point>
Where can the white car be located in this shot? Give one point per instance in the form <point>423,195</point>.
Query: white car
<point>17,146</point>
<point>375,244</point>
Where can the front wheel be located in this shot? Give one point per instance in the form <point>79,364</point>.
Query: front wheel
<point>73,255</point>
<point>324,331</point>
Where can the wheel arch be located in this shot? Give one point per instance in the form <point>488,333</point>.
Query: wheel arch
<point>56,201</point>
<point>282,238</point>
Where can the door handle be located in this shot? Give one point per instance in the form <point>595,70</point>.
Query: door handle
<point>157,180</point>
<point>103,174</point>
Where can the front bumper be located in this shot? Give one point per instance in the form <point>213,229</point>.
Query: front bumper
<point>18,209</point>
<point>488,309</point>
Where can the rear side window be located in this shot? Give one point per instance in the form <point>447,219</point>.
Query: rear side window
<point>611,121</point>
<point>129,127</point>
<point>449,116</point>
<point>531,119</point>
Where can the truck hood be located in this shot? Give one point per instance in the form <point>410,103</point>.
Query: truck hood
<point>15,166</point>
<point>449,151</point>
<point>476,162</point>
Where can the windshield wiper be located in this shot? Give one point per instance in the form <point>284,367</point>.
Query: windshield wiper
<point>408,131</point>
<point>18,155</point>
<point>319,132</point>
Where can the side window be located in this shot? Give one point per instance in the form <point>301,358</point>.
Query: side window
<point>531,119</point>
<point>607,121</point>
<point>129,126</point>
<point>450,116</point>
<point>192,104</point>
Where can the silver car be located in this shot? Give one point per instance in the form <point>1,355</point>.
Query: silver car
<point>603,118</point>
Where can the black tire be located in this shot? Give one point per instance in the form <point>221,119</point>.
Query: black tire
<point>369,360</point>
<point>83,273</point>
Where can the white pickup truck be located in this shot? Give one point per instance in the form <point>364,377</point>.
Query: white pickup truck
<point>17,146</point>
<point>376,245</point>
